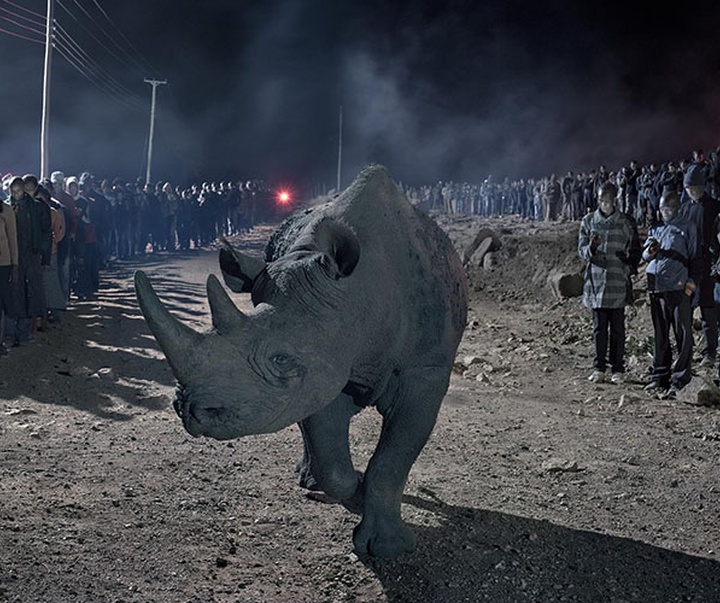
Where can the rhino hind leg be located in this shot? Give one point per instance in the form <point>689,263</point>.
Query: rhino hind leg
<point>409,414</point>
<point>327,464</point>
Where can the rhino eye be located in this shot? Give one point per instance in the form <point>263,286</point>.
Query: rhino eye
<point>280,360</point>
<point>285,367</point>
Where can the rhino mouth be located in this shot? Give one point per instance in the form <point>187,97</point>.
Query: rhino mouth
<point>217,421</point>
<point>182,405</point>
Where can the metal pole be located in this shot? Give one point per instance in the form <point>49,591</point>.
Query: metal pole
<point>339,167</point>
<point>154,84</point>
<point>45,127</point>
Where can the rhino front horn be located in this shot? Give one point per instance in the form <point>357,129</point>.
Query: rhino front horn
<point>177,340</point>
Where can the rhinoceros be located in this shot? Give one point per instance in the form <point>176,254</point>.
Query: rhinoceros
<point>362,301</point>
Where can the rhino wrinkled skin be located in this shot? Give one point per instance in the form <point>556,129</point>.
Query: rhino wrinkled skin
<point>361,302</point>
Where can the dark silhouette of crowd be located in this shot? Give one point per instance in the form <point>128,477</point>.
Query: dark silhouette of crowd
<point>58,233</point>
<point>571,196</point>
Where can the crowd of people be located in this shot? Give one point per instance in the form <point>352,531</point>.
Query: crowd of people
<point>58,233</point>
<point>571,196</point>
<point>682,256</point>
<point>675,202</point>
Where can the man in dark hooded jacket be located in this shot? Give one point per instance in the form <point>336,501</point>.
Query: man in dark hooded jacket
<point>702,210</point>
<point>27,292</point>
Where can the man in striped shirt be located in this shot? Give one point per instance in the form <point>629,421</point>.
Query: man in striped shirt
<point>609,243</point>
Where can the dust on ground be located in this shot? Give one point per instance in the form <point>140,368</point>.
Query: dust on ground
<point>536,485</point>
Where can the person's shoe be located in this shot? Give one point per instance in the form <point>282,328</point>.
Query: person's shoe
<point>708,361</point>
<point>597,377</point>
<point>671,393</point>
<point>617,378</point>
<point>655,386</point>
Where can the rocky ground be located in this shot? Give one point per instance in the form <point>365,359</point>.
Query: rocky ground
<point>535,486</point>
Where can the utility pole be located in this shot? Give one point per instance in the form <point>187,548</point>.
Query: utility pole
<point>45,127</point>
<point>154,84</point>
<point>337,189</point>
<point>339,170</point>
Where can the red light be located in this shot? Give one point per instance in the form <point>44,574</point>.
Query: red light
<point>283,197</point>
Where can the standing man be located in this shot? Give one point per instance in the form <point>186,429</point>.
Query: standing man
<point>553,192</point>
<point>62,196</point>
<point>608,242</point>
<point>566,187</point>
<point>9,273</point>
<point>702,211</point>
<point>27,291</point>
<point>674,268</point>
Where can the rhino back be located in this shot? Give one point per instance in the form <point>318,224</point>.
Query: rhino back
<point>408,293</point>
<point>408,254</point>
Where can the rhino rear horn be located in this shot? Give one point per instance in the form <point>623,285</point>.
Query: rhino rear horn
<point>226,315</point>
<point>239,271</point>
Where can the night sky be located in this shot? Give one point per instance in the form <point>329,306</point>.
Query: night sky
<point>434,91</point>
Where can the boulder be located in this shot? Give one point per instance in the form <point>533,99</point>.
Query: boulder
<point>485,240</point>
<point>701,391</point>
<point>564,285</point>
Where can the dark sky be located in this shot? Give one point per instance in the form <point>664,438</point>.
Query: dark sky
<point>435,91</point>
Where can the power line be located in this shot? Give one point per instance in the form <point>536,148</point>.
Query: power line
<point>108,36</point>
<point>21,37</point>
<point>21,25</point>
<point>122,35</point>
<point>27,10</point>
<point>92,73</point>
<point>72,49</point>
<point>73,61</point>
<point>24,18</point>
<point>93,36</point>
<point>68,40</point>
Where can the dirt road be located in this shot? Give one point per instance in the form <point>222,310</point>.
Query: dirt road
<point>535,486</point>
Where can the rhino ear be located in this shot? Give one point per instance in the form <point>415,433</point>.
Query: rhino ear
<point>337,241</point>
<point>239,270</point>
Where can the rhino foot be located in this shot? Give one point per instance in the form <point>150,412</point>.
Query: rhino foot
<point>305,477</point>
<point>387,537</point>
<point>355,503</point>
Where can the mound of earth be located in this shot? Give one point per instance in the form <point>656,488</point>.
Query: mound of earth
<point>535,486</point>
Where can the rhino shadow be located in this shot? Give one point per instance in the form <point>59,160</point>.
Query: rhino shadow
<point>477,555</point>
<point>115,336</point>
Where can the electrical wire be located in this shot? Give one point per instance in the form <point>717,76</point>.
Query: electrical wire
<point>108,36</point>
<point>98,78</point>
<point>27,10</point>
<point>94,37</point>
<point>122,35</point>
<point>35,22</point>
<point>73,62</point>
<point>65,38</point>
<point>21,25</point>
<point>102,30</point>
<point>10,33</point>
<point>69,49</point>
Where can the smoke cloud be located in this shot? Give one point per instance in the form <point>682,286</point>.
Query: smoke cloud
<point>434,93</point>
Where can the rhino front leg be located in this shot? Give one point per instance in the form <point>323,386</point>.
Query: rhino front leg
<point>327,464</point>
<point>409,414</point>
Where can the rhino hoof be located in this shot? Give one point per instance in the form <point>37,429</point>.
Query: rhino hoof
<point>387,538</point>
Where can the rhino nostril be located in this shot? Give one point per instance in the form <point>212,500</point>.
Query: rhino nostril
<point>205,413</point>
<point>179,400</point>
